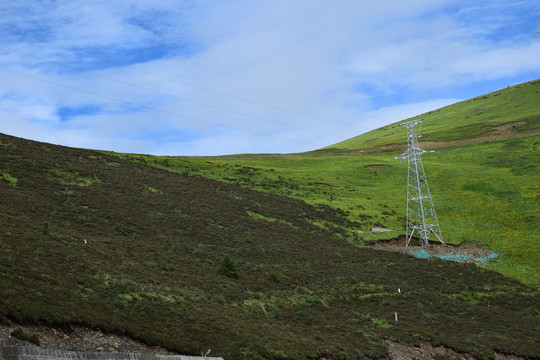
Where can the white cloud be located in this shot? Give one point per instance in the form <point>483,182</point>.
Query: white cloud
<point>496,63</point>
<point>305,73</point>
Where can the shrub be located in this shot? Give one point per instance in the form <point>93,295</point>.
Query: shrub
<point>20,334</point>
<point>45,228</point>
<point>301,312</point>
<point>273,277</point>
<point>219,299</point>
<point>228,267</point>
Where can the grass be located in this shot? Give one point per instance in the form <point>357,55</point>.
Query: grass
<point>5,176</point>
<point>72,178</point>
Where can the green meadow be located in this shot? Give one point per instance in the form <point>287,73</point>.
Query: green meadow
<point>463,120</point>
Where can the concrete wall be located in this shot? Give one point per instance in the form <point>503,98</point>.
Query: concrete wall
<point>33,353</point>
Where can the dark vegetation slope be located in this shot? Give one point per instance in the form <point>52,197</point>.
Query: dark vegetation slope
<point>192,263</point>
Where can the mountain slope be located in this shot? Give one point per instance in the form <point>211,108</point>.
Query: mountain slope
<point>483,176</point>
<point>478,118</point>
<point>92,239</point>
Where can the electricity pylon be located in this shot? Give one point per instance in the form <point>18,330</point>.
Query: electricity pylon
<point>421,217</point>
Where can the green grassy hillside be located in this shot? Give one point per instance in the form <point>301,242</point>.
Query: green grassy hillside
<point>191,263</point>
<point>483,176</point>
<point>467,119</point>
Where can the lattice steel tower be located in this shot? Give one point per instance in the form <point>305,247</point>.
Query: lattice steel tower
<point>421,217</point>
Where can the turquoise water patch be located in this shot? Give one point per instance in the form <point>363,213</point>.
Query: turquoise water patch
<point>487,258</point>
<point>423,254</point>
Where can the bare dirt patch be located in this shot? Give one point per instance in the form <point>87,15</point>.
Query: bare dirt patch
<point>323,184</point>
<point>375,166</point>
<point>426,351</point>
<point>502,130</point>
<point>75,338</point>
<point>464,252</point>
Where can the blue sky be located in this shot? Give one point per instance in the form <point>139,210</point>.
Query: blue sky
<point>212,77</point>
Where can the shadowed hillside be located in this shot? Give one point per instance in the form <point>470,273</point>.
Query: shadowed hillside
<point>192,263</point>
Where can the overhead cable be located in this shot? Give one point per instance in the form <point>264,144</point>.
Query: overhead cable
<point>152,109</point>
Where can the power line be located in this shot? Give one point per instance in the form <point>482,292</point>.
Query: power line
<point>152,109</point>
<point>230,67</point>
<point>192,85</point>
<point>171,95</point>
<point>266,78</point>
